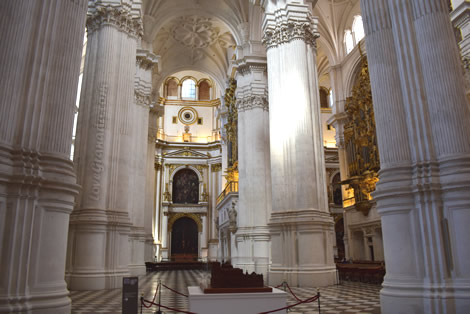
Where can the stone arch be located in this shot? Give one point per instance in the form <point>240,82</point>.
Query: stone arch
<point>177,216</point>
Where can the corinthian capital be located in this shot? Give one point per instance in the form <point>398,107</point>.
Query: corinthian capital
<point>294,22</point>
<point>116,16</point>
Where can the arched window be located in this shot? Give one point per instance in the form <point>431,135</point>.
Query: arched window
<point>204,91</point>
<point>188,89</point>
<point>330,98</point>
<point>337,194</point>
<point>172,89</point>
<point>358,29</point>
<point>323,97</point>
<point>185,187</point>
<point>348,41</point>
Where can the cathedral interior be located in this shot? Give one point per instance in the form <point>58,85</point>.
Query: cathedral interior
<point>291,138</point>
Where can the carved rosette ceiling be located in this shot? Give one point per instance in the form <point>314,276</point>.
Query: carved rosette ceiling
<point>194,40</point>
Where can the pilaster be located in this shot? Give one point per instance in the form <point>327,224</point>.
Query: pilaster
<point>300,225</point>
<point>420,192</point>
<point>99,250</point>
<point>254,206</point>
<point>40,63</point>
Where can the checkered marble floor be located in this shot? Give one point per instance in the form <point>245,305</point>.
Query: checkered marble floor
<point>347,298</point>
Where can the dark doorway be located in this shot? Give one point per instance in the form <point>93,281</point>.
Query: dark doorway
<point>185,187</point>
<point>184,239</point>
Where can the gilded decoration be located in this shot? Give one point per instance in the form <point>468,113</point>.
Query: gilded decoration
<point>216,167</point>
<point>361,141</point>
<point>286,32</point>
<point>117,17</point>
<point>232,122</point>
<point>175,216</point>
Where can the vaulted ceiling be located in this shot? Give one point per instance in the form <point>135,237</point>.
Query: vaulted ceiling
<point>203,35</point>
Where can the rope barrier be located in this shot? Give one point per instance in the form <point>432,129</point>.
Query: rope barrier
<point>314,298</point>
<point>284,284</point>
<point>184,295</point>
<point>165,307</point>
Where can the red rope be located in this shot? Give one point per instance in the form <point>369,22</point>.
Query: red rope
<point>289,306</point>
<point>154,297</point>
<point>293,293</point>
<point>184,295</point>
<point>166,307</point>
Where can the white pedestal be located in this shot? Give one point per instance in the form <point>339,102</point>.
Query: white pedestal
<point>235,303</point>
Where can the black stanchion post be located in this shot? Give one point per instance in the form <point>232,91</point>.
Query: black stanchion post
<point>318,294</point>
<point>141,302</point>
<point>159,297</point>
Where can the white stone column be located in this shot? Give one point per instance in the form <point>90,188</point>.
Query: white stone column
<point>301,226</point>
<point>140,161</point>
<point>254,204</point>
<point>214,193</point>
<point>40,63</point>
<point>99,253</point>
<point>422,195</point>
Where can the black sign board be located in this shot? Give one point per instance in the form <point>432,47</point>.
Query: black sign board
<point>130,291</point>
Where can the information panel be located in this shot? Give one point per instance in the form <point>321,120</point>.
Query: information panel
<point>130,291</point>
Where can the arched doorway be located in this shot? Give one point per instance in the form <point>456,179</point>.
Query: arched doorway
<point>185,187</point>
<point>184,239</point>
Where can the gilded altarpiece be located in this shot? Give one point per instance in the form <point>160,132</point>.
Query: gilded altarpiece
<point>361,141</point>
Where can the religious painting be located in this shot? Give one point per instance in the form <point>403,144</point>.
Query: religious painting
<point>185,187</point>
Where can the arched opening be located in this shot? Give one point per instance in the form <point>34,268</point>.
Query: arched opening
<point>323,97</point>
<point>184,239</point>
<point>337,193</point>
<point>172,89</point>
<point>185,187</point>
<point>339,232</point>
<point>204,90</point>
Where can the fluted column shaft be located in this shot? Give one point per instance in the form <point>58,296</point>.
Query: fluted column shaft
<point>254,203</point>
<point>300,224</point>
<point>425,175</point>
<point>40,64</point>
<point>140,161</point>
<point>100,224</point>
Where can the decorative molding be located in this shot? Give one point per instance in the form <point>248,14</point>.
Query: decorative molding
<point>252,102</point>
<point>216,167</point>
<point>286,32</point>
<point>114,16</point>
<point>141,98</point>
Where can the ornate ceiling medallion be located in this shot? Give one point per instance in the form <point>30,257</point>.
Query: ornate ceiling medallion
<point>187,115</point>
<point>194,31</point>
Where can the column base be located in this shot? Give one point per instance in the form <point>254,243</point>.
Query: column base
<point>37,304</point>
<point>441,299</point>
<point>96,281</point>
<point>253,250</point>
<point>302,249</point>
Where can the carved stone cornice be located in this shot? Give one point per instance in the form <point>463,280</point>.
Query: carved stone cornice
<point>247,68</point>
<point>251,102</point>
<point>146,60</point>
<point>116,17</point>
